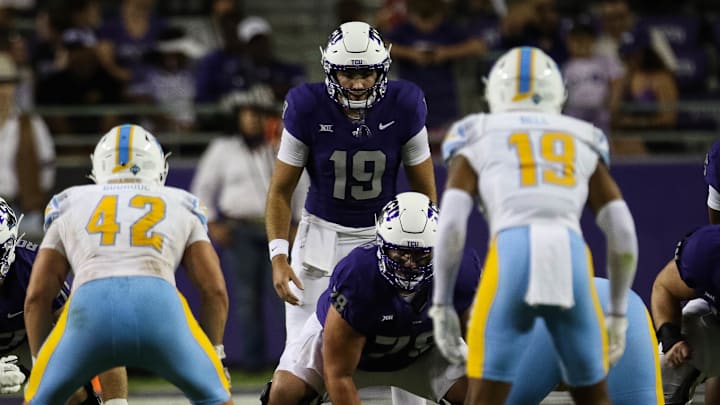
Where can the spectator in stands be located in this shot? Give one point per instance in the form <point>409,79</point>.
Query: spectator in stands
<point>232,178</point>
<point>592,81</point>
<point>222,18</point>
<point>263,66</point>
<point>424,48</point>
<point>482,20</point>
<point>534,23</point>
<point>127,35</point>
<point>27,155</point>
<point>649,86</point>
<point>248,60</point>
<point>390,14</point>
<point>167,81</point>
<point>616,19</point>
<point>82,82</point>
<point>51,21</point>
<point>221,71</point>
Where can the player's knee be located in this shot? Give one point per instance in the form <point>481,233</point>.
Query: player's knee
<point>286,388</point>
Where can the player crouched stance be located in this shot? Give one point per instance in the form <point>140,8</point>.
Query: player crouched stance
<point>16,260</point>
<point>635,379</point>
<point>689,334</point>
<point>124,237</point>
<point>372,326</point>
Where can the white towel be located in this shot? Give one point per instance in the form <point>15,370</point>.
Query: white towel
<point>320,245</point>
<point>550,267</point>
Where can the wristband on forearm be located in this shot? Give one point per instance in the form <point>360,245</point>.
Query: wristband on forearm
<point>669,334</point>
<point>278,247</point>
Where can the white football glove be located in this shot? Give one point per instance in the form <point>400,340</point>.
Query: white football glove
<point>11,378</point>
<point>446,330</point>
<point>220,351</point>
<point>616,328</point>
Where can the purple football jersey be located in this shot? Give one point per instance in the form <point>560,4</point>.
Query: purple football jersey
<point>698,260</point>
<point>12,297</point>
<point>353,167</point>
<point>712,166</point>
<point>397,331</point>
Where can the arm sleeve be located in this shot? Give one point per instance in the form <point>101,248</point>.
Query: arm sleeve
<point>417,149</point>
<point>199,222</point>
<point>292,151</point>
<point>713,200</point>
<point>198,233</point>
<point>455,208</point>
<point>616,222</point>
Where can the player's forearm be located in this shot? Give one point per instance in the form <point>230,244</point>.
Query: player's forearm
<point>213,316</point>
<point>38,322</point>
<point>278,216</point>
<point>342,390</point>
<point>421,179</point>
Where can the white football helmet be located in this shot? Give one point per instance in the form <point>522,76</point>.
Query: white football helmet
<point>129,152</point>
<point>525,78</point>
<point>355,45</point>
<point>407,228</point>
<point>8,237</point>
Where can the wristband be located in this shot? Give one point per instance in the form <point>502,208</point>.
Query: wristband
<point>669,334</point>
<point>278,247</point>
<point>220,351</point>
<point>116,401</point>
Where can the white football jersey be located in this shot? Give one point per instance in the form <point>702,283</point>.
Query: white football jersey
<point>123,229</point>
<point>531,166</point>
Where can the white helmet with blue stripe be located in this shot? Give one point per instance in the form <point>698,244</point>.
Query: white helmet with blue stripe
<point>129,152</point>
<point>525,78</point>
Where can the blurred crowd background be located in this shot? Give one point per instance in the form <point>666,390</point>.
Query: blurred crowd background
<point>197,71</point>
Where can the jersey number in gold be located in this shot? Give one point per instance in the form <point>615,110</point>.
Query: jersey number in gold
<point>104,221</point>
<point>557,150</point>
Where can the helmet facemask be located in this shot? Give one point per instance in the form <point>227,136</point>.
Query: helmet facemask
<point>406,231</point>
<point>8,237</point>
<point>405,268</point>
<point>355,46</point>
<point>342,95</point>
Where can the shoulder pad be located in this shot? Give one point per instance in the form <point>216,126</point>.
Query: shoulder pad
<point>55,207</point>
<point>458,136</point>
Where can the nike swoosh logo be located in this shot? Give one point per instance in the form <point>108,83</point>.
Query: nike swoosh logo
<point>14,315</point>
<point>385,125</point>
